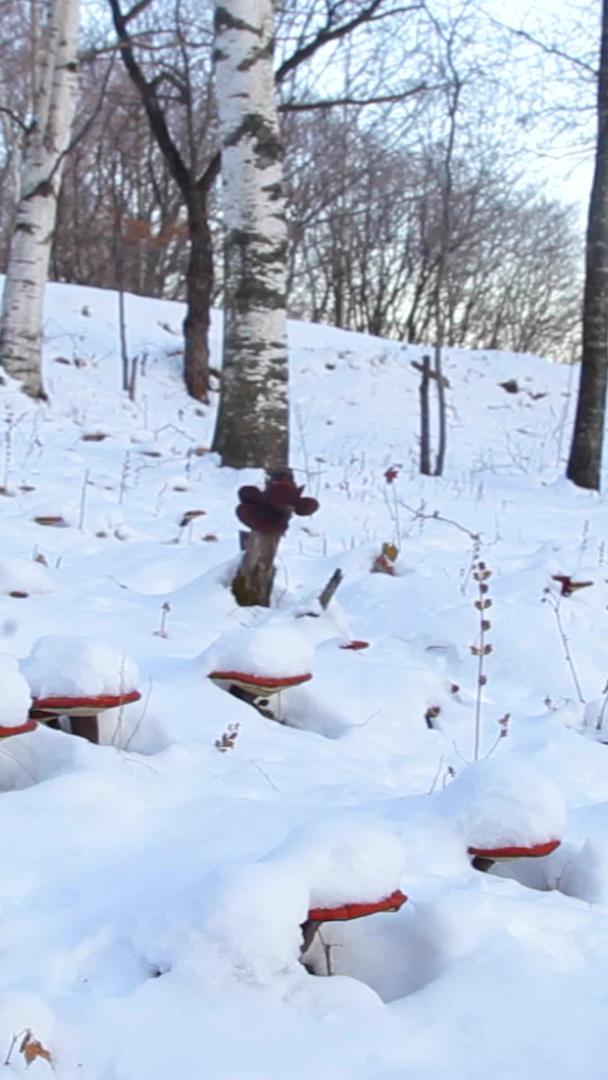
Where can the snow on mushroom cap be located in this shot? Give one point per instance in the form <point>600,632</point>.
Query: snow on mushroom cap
<point>15,699</point>
<point>345,861</point>
<point>504,802</point>
<point>255,911</point>
<point>78,667</point>
<point>273,650</point>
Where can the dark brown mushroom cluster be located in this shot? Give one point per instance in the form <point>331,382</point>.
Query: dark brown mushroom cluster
<point>268,511</point>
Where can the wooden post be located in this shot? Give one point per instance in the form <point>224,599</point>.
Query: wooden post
<point>425,424</point>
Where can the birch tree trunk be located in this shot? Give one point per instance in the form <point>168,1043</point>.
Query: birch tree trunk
<point>253,419</point>
<point>45,142</point>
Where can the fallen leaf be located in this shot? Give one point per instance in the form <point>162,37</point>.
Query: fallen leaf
<point>52,519</point>
<point>32,1048</point>
<point>568,586</point>
<point>190,515</point>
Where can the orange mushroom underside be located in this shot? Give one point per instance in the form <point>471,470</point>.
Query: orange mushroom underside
<point>529,851</point>
<point>82,705</point>
<point>259,684</point>
<point>344,912</point>
<point>18,729</point>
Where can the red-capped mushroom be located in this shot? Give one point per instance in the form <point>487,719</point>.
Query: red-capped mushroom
<point>7,730</point>
<point>78,678</point>
<point>507,809</point>
<point>260,685</point>
<point>485,857</point>
<point>346,912</point>
<point>81,710</point>
<point>255,663</point>
<point>256,689</point>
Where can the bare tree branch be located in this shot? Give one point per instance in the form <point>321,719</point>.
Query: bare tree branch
<point>331,32</point>
<point>545,47</point>
<point>328,103</point>
<point>149,96</point>
<point>16,119</point>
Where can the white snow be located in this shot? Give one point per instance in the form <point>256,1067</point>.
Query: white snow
<point>15,698</point>
<point>63,666</point>
<point>153,887</point>
<point>273,649</point>
<point>24,576</point>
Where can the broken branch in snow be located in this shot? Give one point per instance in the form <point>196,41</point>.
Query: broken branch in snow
<point>328,593</point>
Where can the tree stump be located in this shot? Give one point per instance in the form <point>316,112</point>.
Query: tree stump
<point>254,580</point>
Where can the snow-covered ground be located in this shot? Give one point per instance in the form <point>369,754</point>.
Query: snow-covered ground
<point>153,887</point>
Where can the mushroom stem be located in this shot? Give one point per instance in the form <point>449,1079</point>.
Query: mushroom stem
<point>254,579</point>
<point>85,726</point>
<point>480,863</point>
<point>251,699</point>
<point>309,929</point>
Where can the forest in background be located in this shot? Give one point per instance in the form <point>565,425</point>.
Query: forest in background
<point>411,149</point>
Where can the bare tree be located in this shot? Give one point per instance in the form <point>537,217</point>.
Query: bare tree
<point>162,68</point>
<point>45,139</point>
<point>585,461</point>
<point>193,179</point>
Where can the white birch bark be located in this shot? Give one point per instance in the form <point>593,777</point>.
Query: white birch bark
<point>252,427</point>
<point>44,146</point>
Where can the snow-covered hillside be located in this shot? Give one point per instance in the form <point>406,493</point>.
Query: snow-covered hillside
<point>153,887</point>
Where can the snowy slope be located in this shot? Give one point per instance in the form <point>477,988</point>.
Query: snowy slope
<point>153,887</point>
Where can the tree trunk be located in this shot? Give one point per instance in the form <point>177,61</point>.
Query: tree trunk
<point>199,275</point>
<point>199,286</point>
<point>252,426</point>
<point>425,420</point>
<point>45,143</point>
<point>584,464</point>
<point>253,582</point>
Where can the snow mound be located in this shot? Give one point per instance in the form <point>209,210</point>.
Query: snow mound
<point>585,875</point>
<point>257,911</point>
<point>272,650</point>
<point>15,699</point>
<point>76,667</point>
<point>24,576</point>
<point>504,802</point>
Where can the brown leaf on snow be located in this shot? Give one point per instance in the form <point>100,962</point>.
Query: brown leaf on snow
<point>54,520</point>
<point>191,515</point>
<point>568,586</point>
<point>95,436</point>
<point>32,1048</point>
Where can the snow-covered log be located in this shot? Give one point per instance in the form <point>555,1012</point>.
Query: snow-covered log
<point>252,427</point>
<point>45,141</point>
